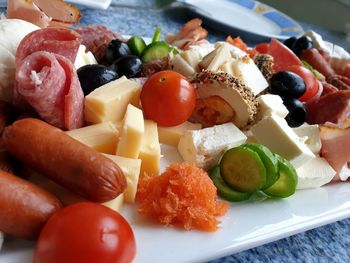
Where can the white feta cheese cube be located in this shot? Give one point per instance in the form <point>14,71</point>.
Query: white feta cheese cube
<point>205,147</point>
<point>314,173</point>
<point>274,132</point>
<point>311,134</point>
<point>270,104</point>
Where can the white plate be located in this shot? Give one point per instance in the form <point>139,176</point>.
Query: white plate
<point>100,4</point>
<point>246,225</point>
<point>246,18</point>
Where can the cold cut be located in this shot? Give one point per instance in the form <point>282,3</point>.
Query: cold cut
<point>63,159</point>
<point>24,207</point>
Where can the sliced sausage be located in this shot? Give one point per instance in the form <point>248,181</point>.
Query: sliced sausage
<point>24,207</point>
<point>63,159</point>
<point>317,61</point>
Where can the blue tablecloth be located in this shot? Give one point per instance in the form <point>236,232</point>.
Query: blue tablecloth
<point>330,243</point>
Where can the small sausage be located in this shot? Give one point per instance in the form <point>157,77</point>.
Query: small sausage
<point>51,152</point>
<point>24,207</point>
<point>317,61</point>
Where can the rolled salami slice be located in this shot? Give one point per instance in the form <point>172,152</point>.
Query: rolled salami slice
<point>57,40</point>
<point>49,83</point>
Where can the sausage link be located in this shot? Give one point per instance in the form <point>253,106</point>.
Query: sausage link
<point>24,207</point>
<point>51,152</point>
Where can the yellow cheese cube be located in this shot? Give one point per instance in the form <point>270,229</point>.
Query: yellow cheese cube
<point>172,135</point>
<point>131,169</point>
<point>116,203</point>
<point>101,137</point>
<point>131,133</point>
<point>109,102</point>
<point>150,150</point>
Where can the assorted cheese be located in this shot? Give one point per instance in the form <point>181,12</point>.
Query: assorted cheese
<point>172,135</point>
<point>205,147</point>
<point>131,133</point>
<point>274,132</point>
<point>109,102</point>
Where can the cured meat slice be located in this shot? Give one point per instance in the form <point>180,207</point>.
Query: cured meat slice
<point>43,13</point>
<point>57,40</point>
<point>49,83</point>
<point>96,39</point>
<point>335,147</point>
<point>333,107</point>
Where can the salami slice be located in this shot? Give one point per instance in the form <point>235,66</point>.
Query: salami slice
<point>49,83</point>
<point>333,107</point>
<point>96,39</point>
<point>57,40</point>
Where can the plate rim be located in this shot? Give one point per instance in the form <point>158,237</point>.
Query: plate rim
<point>259,9</point>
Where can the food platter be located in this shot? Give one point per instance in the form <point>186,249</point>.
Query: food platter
<point>246,225</point>
<point>248,19</point>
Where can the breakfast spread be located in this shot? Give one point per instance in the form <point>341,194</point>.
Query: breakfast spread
<point>91,111</point>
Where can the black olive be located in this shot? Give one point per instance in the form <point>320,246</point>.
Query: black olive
<point>128,66</point>
<point>287,84</point>
<point>94,76</point>
<point>297,112</point>
<point>301,44</point>
<point>290,42</point>
<point>115,50</point>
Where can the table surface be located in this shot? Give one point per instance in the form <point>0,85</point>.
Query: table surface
<point>330,243</point>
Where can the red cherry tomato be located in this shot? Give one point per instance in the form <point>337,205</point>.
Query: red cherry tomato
<point>312,84</point>
<point>168,98</point>
<point>86,232</point>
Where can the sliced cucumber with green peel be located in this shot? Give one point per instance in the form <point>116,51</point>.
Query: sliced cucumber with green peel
<point>270,161</point>
<point>243,170</point>
<point>136,45</point>
<point>224,189</point>
<point>287,182</point>
<point>156,50</point>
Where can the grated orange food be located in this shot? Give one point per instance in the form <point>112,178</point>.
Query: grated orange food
<point>183,195</point>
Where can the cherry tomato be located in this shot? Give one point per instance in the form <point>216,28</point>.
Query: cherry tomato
<point>168,98</point>
<point>86,232</point>
<point>312,84</point>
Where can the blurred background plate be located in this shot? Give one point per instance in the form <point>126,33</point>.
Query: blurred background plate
<point>247,18</point>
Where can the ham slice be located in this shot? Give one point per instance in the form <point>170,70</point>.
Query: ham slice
<point>333,107</point>
<point>335,147</point>
<point>49,83</point>
<point>43,13</point>
<point>61,41</point>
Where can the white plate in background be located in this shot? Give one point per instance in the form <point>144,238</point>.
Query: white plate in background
<point>247,18</point>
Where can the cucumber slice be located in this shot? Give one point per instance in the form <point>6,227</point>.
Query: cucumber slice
<point>155,51</point>
<point>136,45</point>
<point>287,182</point>
<point>269,160</point>
<point>156,35</point>
<point>224,190</point>
<point>243,170</point>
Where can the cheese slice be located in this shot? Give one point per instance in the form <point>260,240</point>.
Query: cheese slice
<point>115,204</point>
<point>193,57</point>
<point>101,137</point>
<point>131,133</point>
<point>131,169</point>
<point>172,135</point>
<point>150,150</point>
<point>109,102</point>
<point>180,65</point>
<point>274,132</point>
<point>222,55</point>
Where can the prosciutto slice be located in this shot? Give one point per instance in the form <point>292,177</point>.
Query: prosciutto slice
<point>335,148</point>
<point>60,41</point>
<point>49,83</point>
